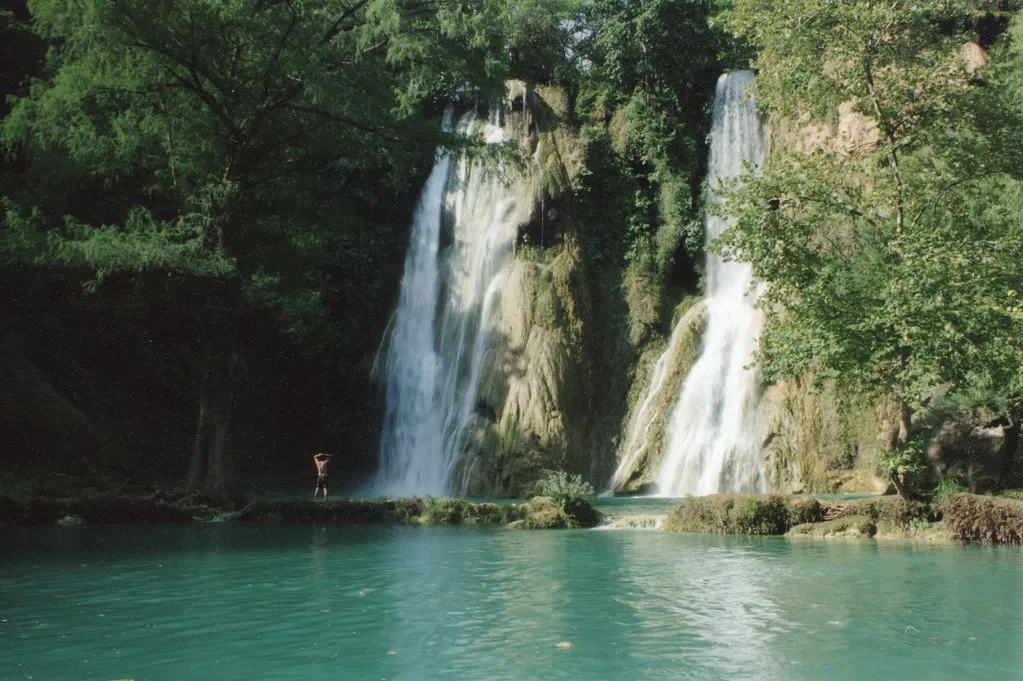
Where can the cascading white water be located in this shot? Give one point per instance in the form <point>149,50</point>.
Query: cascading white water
<point>450,296</point>
<point>713,439</point>
<point>637,437</point>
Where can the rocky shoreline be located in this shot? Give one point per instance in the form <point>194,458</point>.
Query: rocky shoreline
<point>958,518</point>
<point>967,518</point>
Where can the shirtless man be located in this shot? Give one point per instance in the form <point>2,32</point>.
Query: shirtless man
<point>321,460</point>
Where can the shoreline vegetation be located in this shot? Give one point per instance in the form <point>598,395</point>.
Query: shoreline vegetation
<point>966,518</point>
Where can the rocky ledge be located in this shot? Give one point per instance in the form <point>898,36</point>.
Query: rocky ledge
<point>540,513</point>
<point>960,517</point>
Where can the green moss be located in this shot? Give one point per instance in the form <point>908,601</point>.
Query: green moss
<point>805,510</point>
<point>445,511</point>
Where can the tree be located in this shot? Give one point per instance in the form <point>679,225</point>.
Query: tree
<point>892,266</point>
<point>238,142</point>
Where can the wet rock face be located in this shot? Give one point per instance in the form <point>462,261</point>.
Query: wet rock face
<point>812,443</point>
<point>533,384</point>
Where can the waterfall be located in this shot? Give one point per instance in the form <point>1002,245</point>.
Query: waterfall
<point>713,440</point>
<point>463,233</point>
<point>637,437</point>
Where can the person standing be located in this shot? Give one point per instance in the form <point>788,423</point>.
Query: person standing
<point>321,460</point>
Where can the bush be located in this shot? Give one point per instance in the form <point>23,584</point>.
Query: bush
<point>563,489</point>
<point>906,467</point>
<point>805,510</point>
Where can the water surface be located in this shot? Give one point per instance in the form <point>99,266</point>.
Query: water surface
<point>296,602</point>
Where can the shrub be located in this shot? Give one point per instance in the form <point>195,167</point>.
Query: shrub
<point>808,510</point>
<point>564,489</point>
<point>905,467</point>
<point>756,515</point>
<point>511,512</point>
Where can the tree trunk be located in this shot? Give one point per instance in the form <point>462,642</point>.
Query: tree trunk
<point>905,423</point>
<point>197,468</point>
<point>218,470</point>
<point>209,470</point>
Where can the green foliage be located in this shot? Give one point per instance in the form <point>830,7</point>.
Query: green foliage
<point>946,487</point>
<point>906,466</point>
<point>889,265</point>
<point>539,34</point>
<point>407,510</point>
<point>564,489</point>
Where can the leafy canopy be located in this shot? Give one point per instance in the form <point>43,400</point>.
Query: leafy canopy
<point>891,258</point>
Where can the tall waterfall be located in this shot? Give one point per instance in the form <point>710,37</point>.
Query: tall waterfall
<point>463,233</point>
<point>713,440</point>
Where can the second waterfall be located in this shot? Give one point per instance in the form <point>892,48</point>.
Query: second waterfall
<point>713,442</point>
<point>463,234</point>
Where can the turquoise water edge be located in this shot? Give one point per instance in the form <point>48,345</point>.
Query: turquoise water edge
<point>254,602</point>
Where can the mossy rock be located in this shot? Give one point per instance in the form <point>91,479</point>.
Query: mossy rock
<point>333,512</point>
<point>891,512</point>
<point>854,526</point>
<point>753,514</point>
<point>805,510</point>
<point>543,514</point>
<point>989,520</point>
<point>581,514</point>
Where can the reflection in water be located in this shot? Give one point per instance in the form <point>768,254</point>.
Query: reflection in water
<point>415,604</point>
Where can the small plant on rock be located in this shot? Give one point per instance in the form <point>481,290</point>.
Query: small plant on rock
<point>946,487</point>
<point>565,490</point>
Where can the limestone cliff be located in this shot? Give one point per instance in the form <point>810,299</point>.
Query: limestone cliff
<point>533,413</point>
